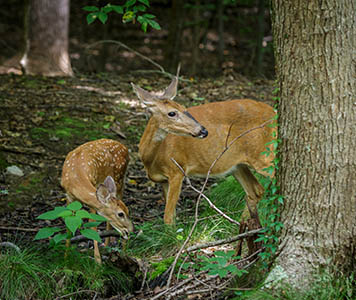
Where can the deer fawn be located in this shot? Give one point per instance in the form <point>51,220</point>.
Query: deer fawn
<point>176,132</point>
<point>89,175</point>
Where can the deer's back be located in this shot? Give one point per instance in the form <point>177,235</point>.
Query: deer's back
<point>224,121</point>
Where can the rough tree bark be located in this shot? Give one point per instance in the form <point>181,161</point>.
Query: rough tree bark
<point>315,65</point>
<point>46,29</point>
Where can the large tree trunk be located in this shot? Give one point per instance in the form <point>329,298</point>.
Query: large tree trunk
<point>315,64</point>
<point>46,28</point>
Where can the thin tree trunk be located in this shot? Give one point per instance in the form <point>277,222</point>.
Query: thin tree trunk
<point>46,30</point>
<point>260,35</point>
<point>174,35</point>
<point>315,65</point>
<point>196,38</point>
<point>220,19</point>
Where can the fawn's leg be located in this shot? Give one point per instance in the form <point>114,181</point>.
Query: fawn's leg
<point>96,246</point>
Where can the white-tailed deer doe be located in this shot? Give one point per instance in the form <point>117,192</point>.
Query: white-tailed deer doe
<point>94,174</point>
<point>194,138</point>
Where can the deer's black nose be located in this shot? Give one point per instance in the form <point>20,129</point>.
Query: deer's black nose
<point>203,133</point>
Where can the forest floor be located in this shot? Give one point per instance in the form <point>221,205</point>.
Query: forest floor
<point>42,119</point>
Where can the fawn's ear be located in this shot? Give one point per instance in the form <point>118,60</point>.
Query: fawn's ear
<point>110,184</point>
<point>103,194</point>
<point>106,191</point>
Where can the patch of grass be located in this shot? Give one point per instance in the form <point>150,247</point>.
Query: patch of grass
<point>228,196</point>
<point>325,287</point>
<point>42,273</point>
<point>134,133</point>
<point>31,183</point>
<point>156,238</point>
<point>24,275</point>
<point>67,128</point>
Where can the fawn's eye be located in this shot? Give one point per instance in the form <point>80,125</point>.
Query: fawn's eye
<point>172,114</point>
<point>121,215</point>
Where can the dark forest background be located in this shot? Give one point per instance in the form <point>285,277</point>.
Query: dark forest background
<point>208,38</point>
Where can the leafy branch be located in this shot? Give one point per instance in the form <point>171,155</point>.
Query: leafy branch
<point>131,11</point>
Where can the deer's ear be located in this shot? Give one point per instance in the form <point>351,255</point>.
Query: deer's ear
<point>106,191</point>
<point>110,184</point>
<point>146,97</point>
<point>171,91</point>
<point>103,194</point>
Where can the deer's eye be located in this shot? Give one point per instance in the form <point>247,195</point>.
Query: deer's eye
<point>121,215</point>
<point>172,114</point>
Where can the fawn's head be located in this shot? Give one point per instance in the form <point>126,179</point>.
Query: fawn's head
<point>113,209</point>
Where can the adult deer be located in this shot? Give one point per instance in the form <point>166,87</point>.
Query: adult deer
<point>176,132</point>
<point>89,174</point>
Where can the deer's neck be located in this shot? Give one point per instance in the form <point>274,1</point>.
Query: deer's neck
<point>151,141</point>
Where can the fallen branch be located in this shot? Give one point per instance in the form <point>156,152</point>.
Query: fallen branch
<point>10,245</point>
<point>223,241</point>
<point>102,234</point>
<point>18,229</point>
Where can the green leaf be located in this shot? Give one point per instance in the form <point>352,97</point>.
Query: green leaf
<point>145,2</point>
<point>141,8</point>
<point>59,237</point>
<point>130,3</point>
<point>82,214</point>
<point>117,8</point>
<point>91,224</point>
<point>92,17</point>
<point>91,234</point>
<point>97,217</point>
<point>65,213</point>
<point>46,232</point>
<point>91,8</point>
<point>108,8</point>
<point>222,261</point>
<point>154,24</point>
<point>107,125</point>
<point>232,268</point>
<point>76,205</point>
<point>52,214</point>
<point>148,16</point>
<point>128,16</point>
<point>103,17</point>
<point>73,223</point>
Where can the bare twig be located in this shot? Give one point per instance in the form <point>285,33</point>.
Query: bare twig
<point>196,220</point>
<point>131,50</point>
<point>224,241</point>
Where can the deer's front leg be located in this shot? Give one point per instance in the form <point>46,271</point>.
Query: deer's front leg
<point>172,191</point>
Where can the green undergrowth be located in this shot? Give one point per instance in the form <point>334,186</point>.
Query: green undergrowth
<point>68,128</point>
<point>326,286</point>
<point>29,274</point>
<point>155,237</point>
